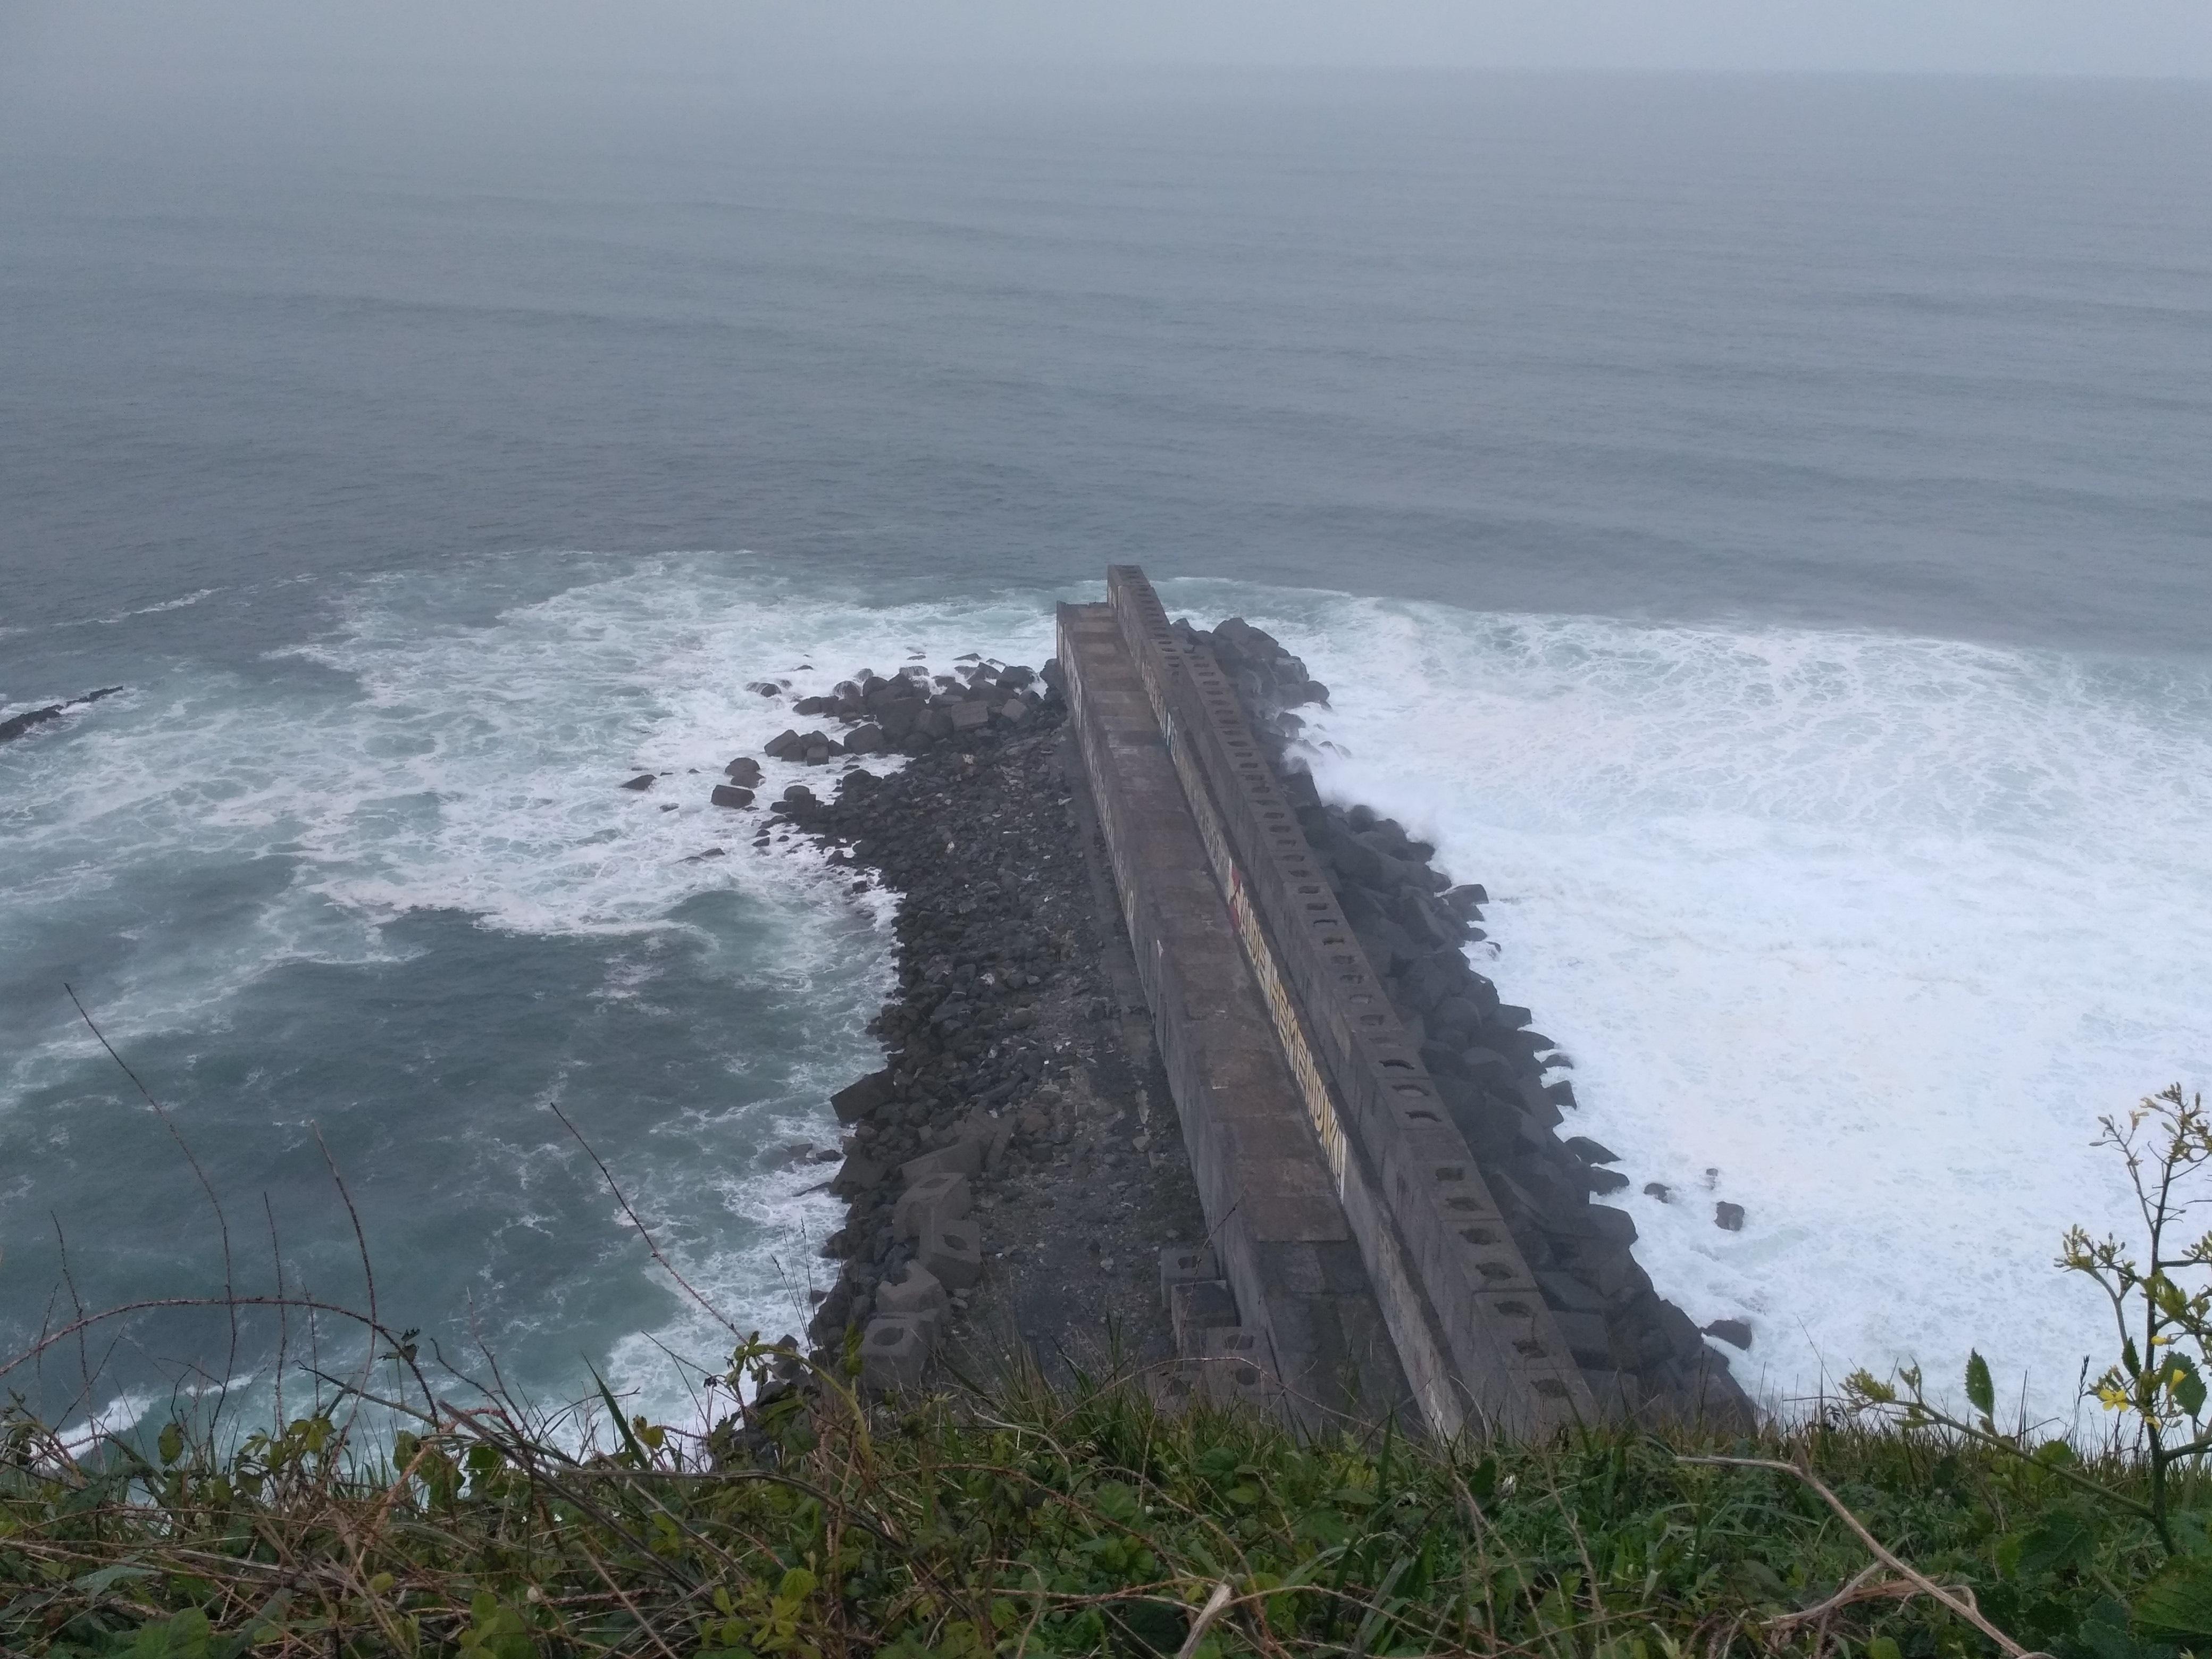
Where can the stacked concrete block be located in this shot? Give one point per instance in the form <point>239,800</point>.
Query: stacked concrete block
<point>964,1157</point>
<point>918,1294</point>
<point>931,1202</point>
<point>895,1352</point>
<point>953,1251</point>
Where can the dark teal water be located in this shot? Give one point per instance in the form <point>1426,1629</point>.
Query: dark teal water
<point>1832,452</point>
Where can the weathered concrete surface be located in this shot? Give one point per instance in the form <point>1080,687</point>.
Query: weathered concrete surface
<point>1278,1228</point>
<point>1471,1329</point>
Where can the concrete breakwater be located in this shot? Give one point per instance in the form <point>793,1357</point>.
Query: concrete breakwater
<point>1368,1204</point>
<point>1487,1066</point>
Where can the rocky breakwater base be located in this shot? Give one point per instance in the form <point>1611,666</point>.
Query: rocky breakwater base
<point>1503,1082</point>
<point>1014,1170</point>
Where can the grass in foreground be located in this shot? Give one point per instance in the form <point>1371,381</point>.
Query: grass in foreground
<point>1026,1521</point>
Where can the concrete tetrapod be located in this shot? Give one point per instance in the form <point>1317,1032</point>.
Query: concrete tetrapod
<point>953,1251</point>
<point>920,1293</point>
<point>895,1352</point>
<point>930,1202</point>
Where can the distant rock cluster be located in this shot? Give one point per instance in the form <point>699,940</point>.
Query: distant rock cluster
<point>22,724</point>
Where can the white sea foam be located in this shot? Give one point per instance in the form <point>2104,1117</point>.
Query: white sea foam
<point>1873,928</point>
<point>469,767</point>
<point>181,602</point>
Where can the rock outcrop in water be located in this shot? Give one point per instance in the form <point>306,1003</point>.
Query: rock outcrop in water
<point>22,724</point>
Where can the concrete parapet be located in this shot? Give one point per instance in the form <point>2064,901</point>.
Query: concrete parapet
<point>1179,1263</point>
<point>1277,1229</point>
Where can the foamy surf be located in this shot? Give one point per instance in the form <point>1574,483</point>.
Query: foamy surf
<point>406,765</point>
<point>1860,933</point>
<point>1869,928</point>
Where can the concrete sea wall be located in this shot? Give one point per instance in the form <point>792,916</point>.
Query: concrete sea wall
<point>1277,1229</point>
<point>1479,1345</point>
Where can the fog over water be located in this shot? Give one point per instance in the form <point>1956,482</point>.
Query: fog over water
<point>1758,524</point>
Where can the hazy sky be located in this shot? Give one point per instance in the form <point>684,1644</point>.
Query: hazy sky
<point>58,43</point>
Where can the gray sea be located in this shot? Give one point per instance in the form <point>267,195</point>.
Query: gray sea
<point>1762,528</point>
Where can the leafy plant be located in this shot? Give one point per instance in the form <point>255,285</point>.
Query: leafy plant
<point>2161,1306</point>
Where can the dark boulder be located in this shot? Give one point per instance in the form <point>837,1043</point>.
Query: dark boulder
<point>729,794</point>
<point>785,745</point>
<point>1425,982</point>
<point>1587,1338</point>
<point>1534,1101</point>
<point>857,1100</point>
<point>744,772</point>
<point>1426,921</point>
<point>1442,1060</point>
<point>1568,1293</point>
<point>1728,1217</point>
<point>1615,1227</point>
<point>1457,1014</point>
<point>1734,1332</point>
<point>863,739</point>
<point>1488,1068</point>
<point>1591,1151</point>
<point>1355,861</point>
<point>1386,945</point>
<point>16,726</point>
<point>642,780</point>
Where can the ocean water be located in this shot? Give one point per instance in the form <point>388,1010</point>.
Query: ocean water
<point>1759,528</point>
